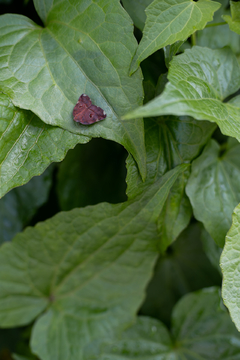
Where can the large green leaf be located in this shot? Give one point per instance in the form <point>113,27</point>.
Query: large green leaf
<point>234,20</point>
<point>79,184</point>
<point>199,81</point>
<point>85,47</point>
<point>219,36</point>
<point>86,269</point>
<point>201,330</point>
<point>230,263</point>
<point>28,146</point>
<point>136,9</point>
<point>182,269</point>
<point>170,141</point>
<point>169,21</point>
<point>214,189</point>
<point>19,205</point>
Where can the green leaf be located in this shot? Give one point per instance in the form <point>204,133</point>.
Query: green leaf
<point>170,51</point>
<point>85,269</point>
<point>212,250</point>
<point>27,145</point>
<point>136,9</point>
<point>170,141</point>
<point>19,205</point>
<point>79,184</point>
<point>216,37</point>
<point>234,21</point>
<point>213,188</point>
<point>199,81</point>
<point>45,70</point>
<point>200,330</point>
<point>171,21</point>
<point>229,263</point>
<point>182,269</point>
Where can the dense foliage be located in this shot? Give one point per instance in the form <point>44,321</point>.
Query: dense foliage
<point>111,235</point>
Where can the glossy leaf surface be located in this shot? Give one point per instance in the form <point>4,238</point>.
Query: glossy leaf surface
<point>85,269</point>
<point>193,336</point>
<point>45,70</point>
<point>171,21</point>
<point>199,81</point>
<point>28,146</point>
<point>213,188</point>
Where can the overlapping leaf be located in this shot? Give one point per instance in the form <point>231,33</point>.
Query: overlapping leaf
<point>19,205</point>
<point>86,269</point>
<point>136,9</point>
<point>200,330</point>
<point>199,81</point>
<point>28,146</point>
<point>230,262</point>
<point>170,141</point>
<point>234,20</point>
<point>182,269</point>
<point>84,47</point>
<point>170,21</point>
<point>216,37</point>
<point>213,188</point>
<point>212,250</point>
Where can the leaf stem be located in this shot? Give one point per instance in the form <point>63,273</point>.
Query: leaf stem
<point>194,39</point>
<point>216,24</point>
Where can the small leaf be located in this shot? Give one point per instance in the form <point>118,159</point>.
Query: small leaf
<point>199,81</point>
<point>45,70</point>
<point>200,330</point>
<point>170,141</point>
<point>216,37</point>
<point>234,21</point>
<point>171,21</point>
<point>28,146</point>
<point>214,189</point>
<point>230,263</point>
<point>85,270</point>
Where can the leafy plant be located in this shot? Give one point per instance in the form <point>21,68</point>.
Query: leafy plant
<point>91,266</point>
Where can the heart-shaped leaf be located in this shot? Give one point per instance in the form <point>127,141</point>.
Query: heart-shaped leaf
<point>28,146</point>
<point>86,269</point>
<point>45,70</point>
<point>199,81</point>
<point>200,330</point>
<point>169,21</point>
<point>213,188</point>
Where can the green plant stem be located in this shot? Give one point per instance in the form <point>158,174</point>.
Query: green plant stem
<point>216,24</point>
<point>194,39</point>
